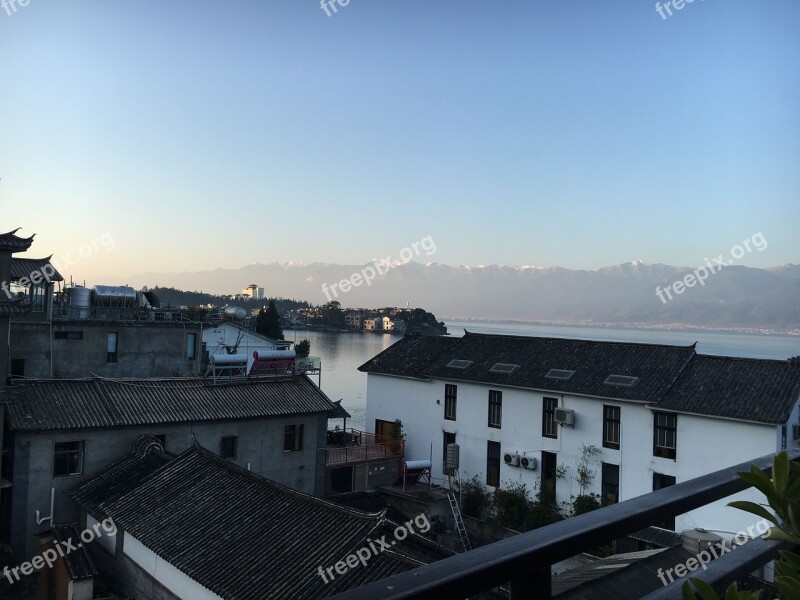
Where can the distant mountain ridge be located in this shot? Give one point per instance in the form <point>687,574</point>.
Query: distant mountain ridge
<point>736,297</point>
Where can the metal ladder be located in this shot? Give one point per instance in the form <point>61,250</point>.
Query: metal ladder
<point>462,530</point>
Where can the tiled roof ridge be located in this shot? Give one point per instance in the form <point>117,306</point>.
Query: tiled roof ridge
<point>579,340</point>
<point>208,455</point>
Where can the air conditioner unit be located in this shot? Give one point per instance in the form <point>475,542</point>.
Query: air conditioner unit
<point>511,459</point>
<point>564,416</point>
<point>528,462</point>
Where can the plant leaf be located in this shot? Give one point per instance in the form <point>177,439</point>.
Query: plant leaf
<point>706,591</point>
<point>754,508</point>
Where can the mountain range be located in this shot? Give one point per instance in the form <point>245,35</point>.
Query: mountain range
<point>735,297</point>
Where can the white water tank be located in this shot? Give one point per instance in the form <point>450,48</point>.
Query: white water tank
<point>451,457</point>
<point>274,354</point>
<point>236,313</point>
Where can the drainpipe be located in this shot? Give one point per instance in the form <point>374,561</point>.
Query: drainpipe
<point>41,520</point>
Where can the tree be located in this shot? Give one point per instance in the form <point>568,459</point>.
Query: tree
<point>268,322</point>
<point>302,348</point>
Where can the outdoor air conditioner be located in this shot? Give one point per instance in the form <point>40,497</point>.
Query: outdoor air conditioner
<point>511,459</point>
<point>528,462</point>
<point>564,416</point>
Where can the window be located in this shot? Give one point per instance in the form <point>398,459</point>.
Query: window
<point>67,459</point>
<point>450,392</point>
<point>549,426</point>
<point>660,482</point>
<point>191,346</point>
<point>559,374</point>
<point>503,368</point>
<point>229,444</point>
<point>621,380</point>
<point>610,484</point>
<point>459,364</point>
<point>549,472</point>
<point>112,348</point>
<point>292,438</point>
<point>447,438</point>
<point>611,424</point>
<point>495,408</point>
<point>665,434</point>
<point>18,367</point>
<point>493,464</point>
<point>38,295</point>
<point>68,335</point>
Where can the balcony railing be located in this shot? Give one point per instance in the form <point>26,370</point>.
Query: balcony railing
<point>354,446</point>
<point>524,561</point>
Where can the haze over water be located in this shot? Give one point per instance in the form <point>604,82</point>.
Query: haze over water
<point>343,353</point>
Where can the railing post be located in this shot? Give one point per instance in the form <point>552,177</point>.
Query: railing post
<point>536,585</point>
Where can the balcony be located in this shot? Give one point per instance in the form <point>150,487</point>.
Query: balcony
<point>350,446</point>
<point>523,563</point>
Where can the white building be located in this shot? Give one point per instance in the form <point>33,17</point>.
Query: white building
<point>659,414</point>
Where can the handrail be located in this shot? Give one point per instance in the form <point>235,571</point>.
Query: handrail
<point>525,560</point>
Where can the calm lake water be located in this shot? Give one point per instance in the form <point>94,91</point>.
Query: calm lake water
<point>343,353</point>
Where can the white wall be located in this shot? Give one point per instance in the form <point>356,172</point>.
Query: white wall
<point>704,444</point>
<point>167,575</point>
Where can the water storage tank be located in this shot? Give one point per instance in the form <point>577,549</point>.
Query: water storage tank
<point>229,359</point>
<point>274,354</point>
<point>451,457</point>
<point>414,465</point>
<point>235,312</point>
<point>79,296</point>
<point>79,301</point>
<point>115,296</point>
<point>697,540</point>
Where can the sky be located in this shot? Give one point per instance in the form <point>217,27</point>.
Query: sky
<point>198,135</point>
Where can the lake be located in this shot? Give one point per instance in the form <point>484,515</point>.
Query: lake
<point>343,353</point>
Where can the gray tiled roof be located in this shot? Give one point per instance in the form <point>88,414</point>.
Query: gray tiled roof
<point>670,377</point>
<point>24,267</point>
<point>748,389</point>
<point>656,366</point>
<point>234,532</point>
<point>13,243</point>
<point>79,561</point>
<point>100,403</point>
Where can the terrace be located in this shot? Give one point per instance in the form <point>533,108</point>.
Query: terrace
<point>522,563</point>
<point>352,446</point>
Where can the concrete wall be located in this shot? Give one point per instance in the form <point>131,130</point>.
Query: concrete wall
<point>144,349</point>
<point>260,445</point>
<point>704,444</point>
<point>171,578</point>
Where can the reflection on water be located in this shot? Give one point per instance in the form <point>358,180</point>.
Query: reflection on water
<point>343,353</point>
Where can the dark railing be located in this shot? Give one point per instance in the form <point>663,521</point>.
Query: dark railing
<point>354,446</point>
<point>525,560</point>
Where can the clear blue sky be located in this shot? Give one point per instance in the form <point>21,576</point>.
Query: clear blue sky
<point>574,133</point>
